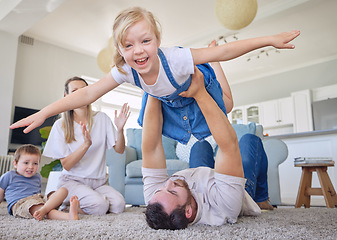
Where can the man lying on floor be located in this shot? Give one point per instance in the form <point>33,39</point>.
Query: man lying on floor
<point>197,195</point>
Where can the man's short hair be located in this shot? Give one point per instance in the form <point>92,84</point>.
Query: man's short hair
<point>157,218</point>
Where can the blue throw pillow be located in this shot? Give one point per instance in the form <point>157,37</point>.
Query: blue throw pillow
<point>134,139</point>
<point>242,129</point>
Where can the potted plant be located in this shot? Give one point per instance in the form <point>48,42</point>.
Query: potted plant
<point>54,165</point>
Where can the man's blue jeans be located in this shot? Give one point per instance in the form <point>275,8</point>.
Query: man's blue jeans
<point>254,161</point>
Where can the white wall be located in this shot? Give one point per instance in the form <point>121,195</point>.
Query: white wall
<point>8,49</point>
<point>42,70</point>
<point>322,73</point>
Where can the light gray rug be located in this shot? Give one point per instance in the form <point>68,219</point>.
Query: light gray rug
<point>282,223</point>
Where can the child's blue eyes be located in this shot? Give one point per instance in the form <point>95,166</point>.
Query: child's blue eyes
<point>130,45</point>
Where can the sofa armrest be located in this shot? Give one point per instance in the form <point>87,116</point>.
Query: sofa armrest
<point>116,163</point>
<point>277,152</point>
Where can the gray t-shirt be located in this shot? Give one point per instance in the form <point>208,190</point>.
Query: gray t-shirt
<point>17,187</point>
<point>220,198</point>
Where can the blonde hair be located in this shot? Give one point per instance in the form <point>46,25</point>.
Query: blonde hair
<point>26,149</point>
<point>123,22</point>
<point>68,116</point>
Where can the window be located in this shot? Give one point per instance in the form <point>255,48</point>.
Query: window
<point>114,100</point>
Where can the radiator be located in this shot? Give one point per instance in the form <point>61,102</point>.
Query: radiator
<point>6,163</point>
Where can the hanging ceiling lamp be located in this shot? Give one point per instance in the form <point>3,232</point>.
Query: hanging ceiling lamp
<point>235,14</point>
<point>105,57</point>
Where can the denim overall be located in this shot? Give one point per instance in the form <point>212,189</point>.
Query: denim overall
<point>182,116</point>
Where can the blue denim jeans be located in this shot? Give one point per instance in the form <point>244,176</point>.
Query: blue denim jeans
<point>254,161</point>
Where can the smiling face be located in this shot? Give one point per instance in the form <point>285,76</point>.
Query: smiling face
<point>27,165</point>
<point>174,194</point>
<point>140,47</point>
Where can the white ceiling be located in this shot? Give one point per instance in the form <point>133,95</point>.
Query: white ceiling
<point>85,26</point>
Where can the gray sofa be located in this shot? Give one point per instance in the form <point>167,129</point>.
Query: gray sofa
<point>125,169</point>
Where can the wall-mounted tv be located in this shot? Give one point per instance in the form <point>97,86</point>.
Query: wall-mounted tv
<point>33,137</point>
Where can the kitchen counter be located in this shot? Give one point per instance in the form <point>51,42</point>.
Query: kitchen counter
<point>306,144</point>
<point>304,134</point>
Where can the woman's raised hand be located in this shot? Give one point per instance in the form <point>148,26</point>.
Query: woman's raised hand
<point>123,116</point>
<point>86,134</point>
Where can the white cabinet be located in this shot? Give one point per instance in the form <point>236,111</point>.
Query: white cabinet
<point>236,115</point>
<point>303,113</point>
<point>277,113</point>
<point>245,114</point>
<point>253,113</point>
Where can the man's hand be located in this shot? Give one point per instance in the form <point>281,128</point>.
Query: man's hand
<point>197,88</point>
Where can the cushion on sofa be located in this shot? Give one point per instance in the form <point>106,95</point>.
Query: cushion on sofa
<point>134,169</point>
<point>242,129</point>
<point>134,137</point>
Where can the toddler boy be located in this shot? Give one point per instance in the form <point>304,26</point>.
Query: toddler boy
<point>22,189</point>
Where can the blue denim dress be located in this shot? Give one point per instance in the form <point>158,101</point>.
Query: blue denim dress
<point>182,116</point>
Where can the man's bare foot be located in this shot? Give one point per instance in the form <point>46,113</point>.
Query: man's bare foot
<point>73,209</point>
<point>39,214</point>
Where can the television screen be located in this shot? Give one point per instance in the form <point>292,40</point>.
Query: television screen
<point>33,137</point>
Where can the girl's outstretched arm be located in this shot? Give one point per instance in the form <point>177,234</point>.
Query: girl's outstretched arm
<point>81,97</point>
<point>235,49</point>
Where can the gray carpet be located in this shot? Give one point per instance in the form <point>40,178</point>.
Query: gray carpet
<point>282,223</point>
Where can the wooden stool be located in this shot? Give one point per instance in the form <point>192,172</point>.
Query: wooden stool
<point>305,190</point>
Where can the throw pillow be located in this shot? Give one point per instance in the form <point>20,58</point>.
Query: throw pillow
<point>134,137</point>
<point>242,129</point>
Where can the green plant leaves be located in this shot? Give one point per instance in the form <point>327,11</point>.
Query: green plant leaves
<point>47,168</point>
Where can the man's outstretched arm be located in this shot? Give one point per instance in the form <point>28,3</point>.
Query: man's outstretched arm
<point>152,146</point>
<point>228,159</point>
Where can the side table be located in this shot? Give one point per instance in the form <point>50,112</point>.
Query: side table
<point>305,190</point>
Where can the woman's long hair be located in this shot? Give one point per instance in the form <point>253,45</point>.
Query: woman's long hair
<point>68,116</point>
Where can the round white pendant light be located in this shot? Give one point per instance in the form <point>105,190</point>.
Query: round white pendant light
<point>235,14</point>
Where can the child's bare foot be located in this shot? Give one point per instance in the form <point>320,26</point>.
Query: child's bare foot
<point>39,214</point>
<point>73,210</point>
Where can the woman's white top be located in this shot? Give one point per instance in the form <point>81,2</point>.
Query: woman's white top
<point>181,65</point>
<point>93,164</point>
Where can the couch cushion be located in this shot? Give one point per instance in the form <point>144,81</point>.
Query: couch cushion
<point>134,169</point>
<point>242,129</point>
<point>134,137</point>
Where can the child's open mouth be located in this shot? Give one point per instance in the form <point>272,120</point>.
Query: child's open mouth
<point>141,61</point>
